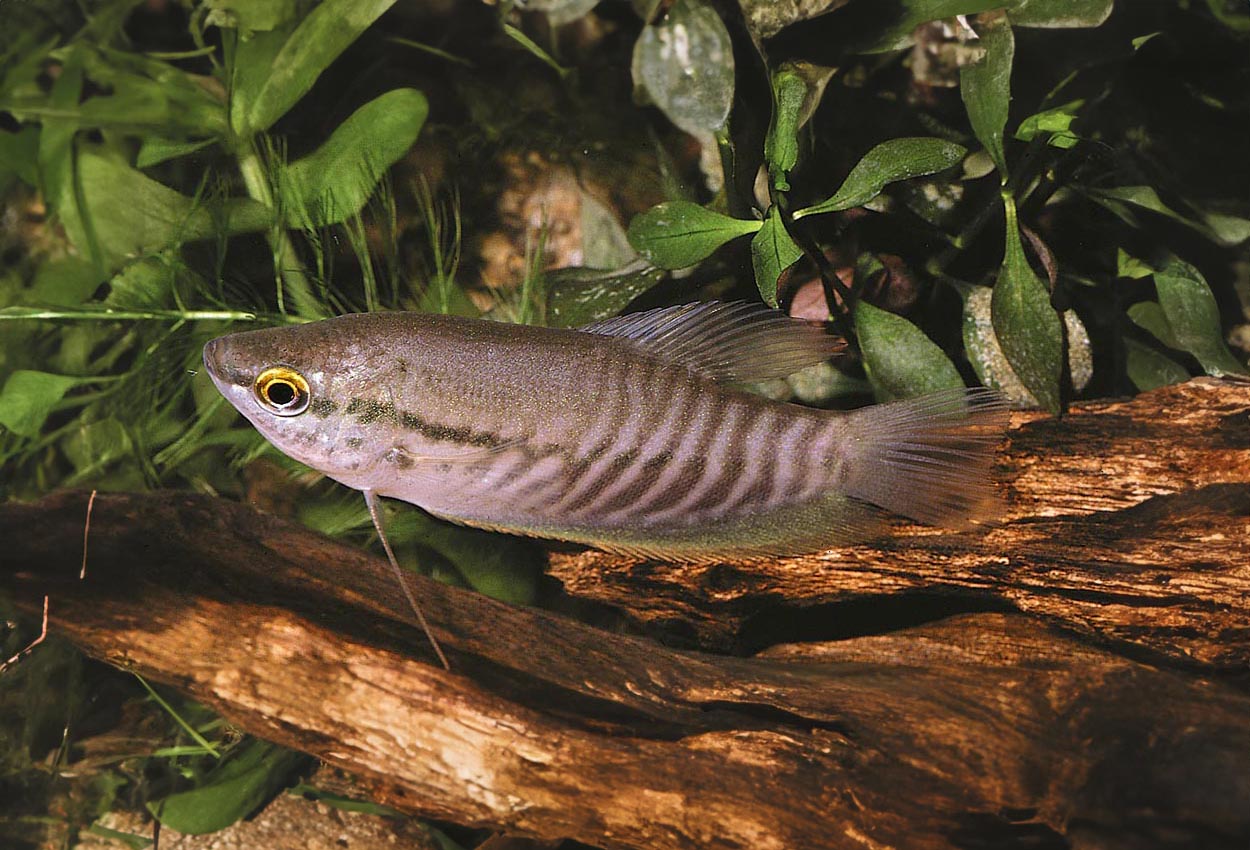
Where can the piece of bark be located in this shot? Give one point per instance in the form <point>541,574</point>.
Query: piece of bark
<point>1128,521</point>
<point>991,728</point>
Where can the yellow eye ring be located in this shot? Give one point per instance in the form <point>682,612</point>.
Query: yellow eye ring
<point>281,390</point>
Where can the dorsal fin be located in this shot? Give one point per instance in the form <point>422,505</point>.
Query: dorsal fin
<point>725,340</point>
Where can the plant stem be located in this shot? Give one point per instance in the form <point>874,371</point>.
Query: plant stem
<point>292,276</point>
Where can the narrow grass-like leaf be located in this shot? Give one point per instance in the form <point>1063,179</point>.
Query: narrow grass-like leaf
<point>888,162</point>
<point>1194,318</point>
<point>986,90</point>
<point>772,252</point>
<point>677,234</point>
<point>334,182</point>
<point>231,791</point>
<point>273,70</point>
<point>1027,326</point>
<point>532,46</point>
<point>900,360</point>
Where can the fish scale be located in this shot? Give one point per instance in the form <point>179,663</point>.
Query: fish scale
<point>629,434</point>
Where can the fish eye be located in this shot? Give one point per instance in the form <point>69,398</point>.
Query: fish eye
<point>281,390</point>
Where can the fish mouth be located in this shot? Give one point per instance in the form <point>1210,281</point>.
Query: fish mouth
<point>215,361</point>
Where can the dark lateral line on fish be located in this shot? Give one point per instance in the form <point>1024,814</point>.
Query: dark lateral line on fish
<point>368,412</point>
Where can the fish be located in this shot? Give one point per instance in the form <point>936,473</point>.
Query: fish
<point>636,434</point>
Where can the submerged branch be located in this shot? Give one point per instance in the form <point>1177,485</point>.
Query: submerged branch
<point>1057,679</point>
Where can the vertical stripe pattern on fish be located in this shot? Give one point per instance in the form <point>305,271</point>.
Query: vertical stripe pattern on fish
<point>631,435</point>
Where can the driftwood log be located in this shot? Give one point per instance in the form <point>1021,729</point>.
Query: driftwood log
<point>1074,677</point>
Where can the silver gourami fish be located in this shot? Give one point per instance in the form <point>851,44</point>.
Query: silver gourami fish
<point>630,435</point>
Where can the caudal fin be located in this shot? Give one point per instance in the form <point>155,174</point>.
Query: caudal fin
<point>929,458</point>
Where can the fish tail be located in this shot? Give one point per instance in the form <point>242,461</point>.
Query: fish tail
<point>929,458</point>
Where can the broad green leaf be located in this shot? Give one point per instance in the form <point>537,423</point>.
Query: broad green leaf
<point>127,214</point>
<point>888,162</point>
<point>1194,318</point>
<point>686,65</point>
<point>1149,316</point>
<point>157,149</point>
<point>781,145</point>
<point>1025,323</point>
<point>504,568</point>
<point>1224,229</point>
<point>131,93</point>
<point>1228,229</point>
<point>605,244</point>
<point>65,281</point>
<point>28,398</point>
<point>1148,369</point>
<point>1059,14</point>
<point>986,90</point>
<point>333,183</point>
<point>900,360</point>
<point>907,15</point>
<point>1126,265</point>
<point>772,252</point>
<point>577,296</point>
<point>250,15</point>
<point>1057,122</point>
<point>234,789</point>
<point>56,158</point>
<point>19,156</point>
<point>273,70</point>
<point>677,234</point>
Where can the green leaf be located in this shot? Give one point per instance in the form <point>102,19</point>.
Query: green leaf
<point>986,90</point>
<point>1224,229</point>
<point>1148,369</point>
<point>888,162</point>
<point>772,252</point>
<point>1027,326</point>
<point>272,70</point>
<point>1126,265</point>
<point>19,156</point>
<point>781,145</point>
<point>1194,318</point>
<point>1056,122</point>
<point>241,784</point>
<point>1060,14</point>
<point>249,15</point>
<point>1149,316</point>
<point>910,14</point>
<point>686,65</point>
<point>678,234</point>
<point>28,398</point>
<point>126,213</point>
<point>577,296</point>
<point>157,149</point>
<point>900,360</point>
<point>532,47</point>
<point>334,182</point>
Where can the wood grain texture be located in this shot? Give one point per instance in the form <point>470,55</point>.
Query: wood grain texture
<point>1074,677</point>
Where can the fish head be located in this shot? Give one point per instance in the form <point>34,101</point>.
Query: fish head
<point>285,380</point>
